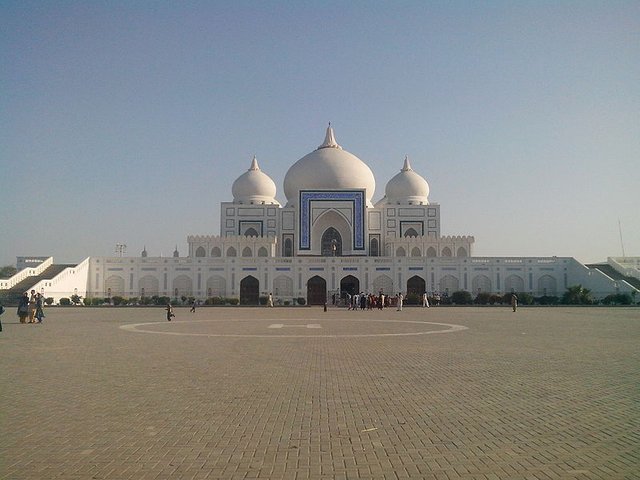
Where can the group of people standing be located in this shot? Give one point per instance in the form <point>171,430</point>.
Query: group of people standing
<point>369,301</point>
<point>31,307</point>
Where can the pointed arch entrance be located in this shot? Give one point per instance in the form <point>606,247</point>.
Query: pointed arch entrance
<point>331,243</point>
<point>350,285</point>
<point>416,286</point>
<point>316,291</point>
<point>249,291</point>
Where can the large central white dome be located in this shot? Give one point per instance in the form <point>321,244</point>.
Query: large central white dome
<point>329,167</point>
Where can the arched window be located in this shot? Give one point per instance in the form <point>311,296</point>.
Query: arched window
<point>231,252</point>
<point>216,286</point>
<point>481,284</point>
<point>246,252</point>
<point>331,243</point>
<point>415,252</point>
<point>374,247</point>
<point>283,286</point>
<point>216,252</point>
<point>411,232</point>
<point>446,252</point>
<point>262,252</point>
<point>431,252</point>
<point>400,252</point>
<point>383,284</point>
<point>461,252</point>
<point>287,251</point>
<point>449,284</point>
<point>547,285</point>
<point>514,283</point>
<point>149,285</point>
<point>182,285</point>
<point>201,252</point>
<point>251,232</point>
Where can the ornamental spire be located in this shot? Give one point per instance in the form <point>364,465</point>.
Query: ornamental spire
<point>330,140</point>
<point>254,164</point>
<point>407,165</point>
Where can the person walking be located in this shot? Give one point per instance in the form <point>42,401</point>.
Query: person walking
<point>270,300</point>
<point>1,312</point>
<point>193,307</point>
<point>32,307</point>
<point>400,301</point>
<point>39,315</point>
<point>23,308</point>
<point>514,301</point>
<point>170,313</point>
<point>425,300</point>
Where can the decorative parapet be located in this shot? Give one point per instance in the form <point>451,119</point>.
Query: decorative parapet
<point>457,238</point>
<point>238,242</point>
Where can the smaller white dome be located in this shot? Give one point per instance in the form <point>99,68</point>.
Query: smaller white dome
<point>254,186</point>
<point>407,187</point>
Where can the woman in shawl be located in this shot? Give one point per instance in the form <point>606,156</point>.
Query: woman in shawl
<point>23,308</point>
<point>39,311</point>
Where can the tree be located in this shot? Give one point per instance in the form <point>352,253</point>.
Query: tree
<point>577,295</point>
<point>8,271</point>
<point>75,299</point>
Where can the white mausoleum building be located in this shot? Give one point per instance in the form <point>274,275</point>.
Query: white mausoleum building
<point>329,238</point>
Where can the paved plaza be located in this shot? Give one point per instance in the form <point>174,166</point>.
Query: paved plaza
<point>235,393</point>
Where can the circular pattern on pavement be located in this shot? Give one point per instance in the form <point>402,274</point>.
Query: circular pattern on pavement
<point>295,328</point>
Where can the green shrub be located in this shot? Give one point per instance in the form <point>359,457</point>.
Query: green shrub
<point>287,302</point>
<point>301,301</point>
<point>48,301</point>
<point>64,301</point>
<point>482,298</point>
<point>86,301</point>
<point>75,299</point>
<point>232,301</point>
<point>118,300</point>
<point>460,297</point>
<point>214,301</point>
<point>160,300</point>
<point>546,300</point>
<point>493,299</point>
<point>97,301</point>
<point>262,300</point>
<point>617,299</point>
<point>412,299</point>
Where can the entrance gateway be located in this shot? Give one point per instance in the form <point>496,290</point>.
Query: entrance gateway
<point>249,291</point>
<point>350,285</point>
<point>316,291</point>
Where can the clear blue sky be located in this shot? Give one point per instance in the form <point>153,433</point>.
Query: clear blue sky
<point>127,122</point>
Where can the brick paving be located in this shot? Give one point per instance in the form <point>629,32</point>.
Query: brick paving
<point>257,393</point>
